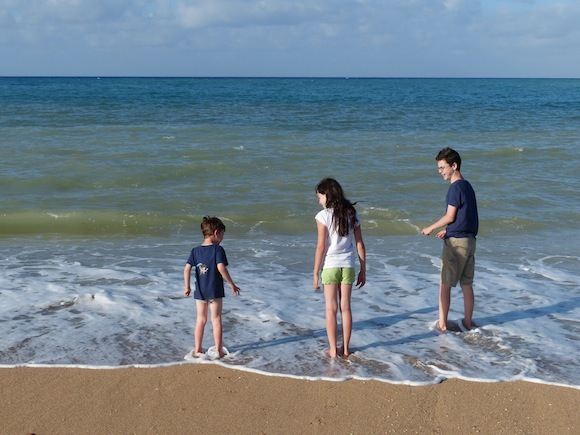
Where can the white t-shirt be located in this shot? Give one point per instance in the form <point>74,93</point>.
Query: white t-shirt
<point>340,251</point>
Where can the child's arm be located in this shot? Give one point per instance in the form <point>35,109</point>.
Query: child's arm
<point>362,257</point>
<point>226,275</point>
<point>449,218</point>
<point>187,279</point>
<point>319,253</point>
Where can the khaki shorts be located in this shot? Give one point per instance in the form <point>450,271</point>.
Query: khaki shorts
<point>338,275</point>
<point>458,261</point>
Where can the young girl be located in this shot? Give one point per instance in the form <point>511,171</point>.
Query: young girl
<point>339,233</point>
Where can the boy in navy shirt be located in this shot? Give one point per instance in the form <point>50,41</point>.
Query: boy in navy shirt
<point>462,222</point>
<point>210,263</point>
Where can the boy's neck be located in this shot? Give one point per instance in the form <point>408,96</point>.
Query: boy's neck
<point>456,177</point>
<point>209,241</point>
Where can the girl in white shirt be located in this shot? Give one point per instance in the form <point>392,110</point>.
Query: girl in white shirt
<point>339,241</point>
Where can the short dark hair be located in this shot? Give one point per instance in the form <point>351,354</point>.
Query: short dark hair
<point>211,224</point>
<point>450,156</point>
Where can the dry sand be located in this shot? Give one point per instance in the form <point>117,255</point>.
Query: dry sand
<point>196,398</point>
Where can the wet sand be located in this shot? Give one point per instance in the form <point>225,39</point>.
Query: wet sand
<point>206,398</point>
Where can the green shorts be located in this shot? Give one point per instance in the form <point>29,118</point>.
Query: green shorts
<point>458,261</point>
<point>338,275</point>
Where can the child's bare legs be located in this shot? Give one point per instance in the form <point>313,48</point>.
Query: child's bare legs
<point>201,307</point>
<point>346,317</point>
<point>336,296</point>
<point>468,304</point>
<point>216,322</point>
<point>444,304</point>
<point>331,297</point>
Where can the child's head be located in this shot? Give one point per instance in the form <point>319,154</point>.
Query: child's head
<point>333,192</point>
<point>344,215</point>
<point>211,224</point>
<point>450,156</point>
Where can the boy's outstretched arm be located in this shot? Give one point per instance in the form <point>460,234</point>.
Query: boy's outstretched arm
<point>226,275</point>
<point>187,279</point>
<point>449,218</point>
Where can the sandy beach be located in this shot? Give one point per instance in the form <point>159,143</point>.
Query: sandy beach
<point>212,399</point>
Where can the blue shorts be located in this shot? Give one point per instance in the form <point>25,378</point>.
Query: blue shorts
<point>338,275</point>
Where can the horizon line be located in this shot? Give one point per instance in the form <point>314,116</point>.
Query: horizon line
<point>293,77</point>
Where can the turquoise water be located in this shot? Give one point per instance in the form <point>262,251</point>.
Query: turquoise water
<point>140,155</point>
<point>105,182</point>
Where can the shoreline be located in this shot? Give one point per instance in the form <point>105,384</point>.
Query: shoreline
<point>201,398</point>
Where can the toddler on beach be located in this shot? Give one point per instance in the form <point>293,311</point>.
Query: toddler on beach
<point>210,263</point>
<point>339,240</point>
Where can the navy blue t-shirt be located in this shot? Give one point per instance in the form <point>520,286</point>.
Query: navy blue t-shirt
<point>462,196</point>
<point>209,283</point>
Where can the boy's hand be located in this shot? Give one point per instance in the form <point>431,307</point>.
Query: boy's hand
<point>441,234</point>
<point>235,290</point>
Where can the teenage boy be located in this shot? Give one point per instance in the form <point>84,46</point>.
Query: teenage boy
<point>462,222</point>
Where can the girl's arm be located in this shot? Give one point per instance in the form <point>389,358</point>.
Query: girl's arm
<point>223,270</point>
<point>187,279</point>
<point>362,257</point>
<point>319,253</point>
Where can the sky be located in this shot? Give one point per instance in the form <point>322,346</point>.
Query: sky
<point>290,38</point>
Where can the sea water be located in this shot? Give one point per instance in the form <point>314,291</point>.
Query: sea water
<point>105,181</point>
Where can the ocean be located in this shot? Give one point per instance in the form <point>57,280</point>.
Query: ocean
<point>105,182</point>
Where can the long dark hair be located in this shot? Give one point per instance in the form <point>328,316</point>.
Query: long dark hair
<point>343,211</point>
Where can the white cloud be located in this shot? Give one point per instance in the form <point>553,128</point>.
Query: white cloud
<point>364,37</point>
<point>238,13</point>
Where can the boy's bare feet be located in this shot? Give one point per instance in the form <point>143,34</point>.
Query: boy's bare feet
<point>465,328</point>
<point>437,327</point>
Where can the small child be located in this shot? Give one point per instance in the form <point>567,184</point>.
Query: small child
<point>339,243</point>
<point>210,263</point>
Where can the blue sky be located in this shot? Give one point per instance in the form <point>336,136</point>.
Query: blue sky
<point>328,38</point>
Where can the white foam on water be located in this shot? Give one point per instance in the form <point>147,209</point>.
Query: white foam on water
<point>117,305</point>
